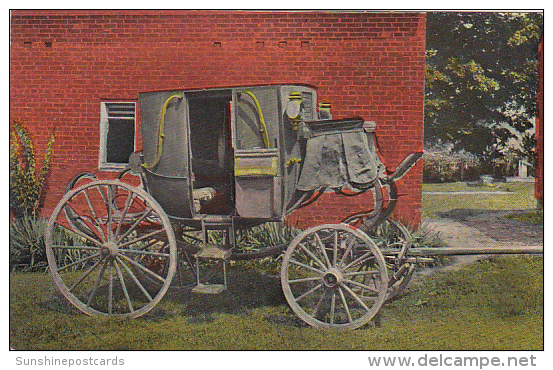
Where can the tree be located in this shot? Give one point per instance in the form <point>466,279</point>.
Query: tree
<point>480,79</point>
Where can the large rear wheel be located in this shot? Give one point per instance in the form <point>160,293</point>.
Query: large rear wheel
<point>116,240</point>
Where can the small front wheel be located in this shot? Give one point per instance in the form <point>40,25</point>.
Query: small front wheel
<point>334,277</point>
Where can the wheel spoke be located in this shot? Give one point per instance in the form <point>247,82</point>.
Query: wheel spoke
<point>94,215</point>
<point>83,247</point>
<point>335,250</point>
<point>84,275</point>
<point>361,273</point>
<point>96,285</point>
<point>110,288</point>
<point>143,237</point>
<point>302,280</point>
<point>135,279</point>
<point>77,231</point>
<point>355,297</point>
<point>345,304</point>
<point>313,256</point>
<point>101,191</point>
<point>110,208</point>
<point>85,193</point>
<point>332,307</point>
<point>149,253</point>
<point>136,223</point>
<point>306,266</point>
<point>316,309</point>
<point>361,285</point>
<point>322,247</point>
<point>358,260</point>
<point>123,286</point>
<point>128,202</point>
<point>310,291</point>
<point>348,250</point>
<point>78,261</point>
<point>150,272</point>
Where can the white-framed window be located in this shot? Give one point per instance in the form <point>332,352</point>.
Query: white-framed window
<point>117,134</point>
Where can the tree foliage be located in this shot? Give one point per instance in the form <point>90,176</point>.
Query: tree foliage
<point>480,78</point>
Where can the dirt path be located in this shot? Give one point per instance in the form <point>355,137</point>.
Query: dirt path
<point>497,226</point>
<point>483,229</point>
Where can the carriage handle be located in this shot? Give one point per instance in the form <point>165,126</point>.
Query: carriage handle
<point>161,134</point>
<point>263,128</point>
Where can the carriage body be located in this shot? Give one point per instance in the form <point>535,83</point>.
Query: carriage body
<point>245,153</point>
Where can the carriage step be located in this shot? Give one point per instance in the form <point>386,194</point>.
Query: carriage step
<point>209,288</point>
<point>214,251</point>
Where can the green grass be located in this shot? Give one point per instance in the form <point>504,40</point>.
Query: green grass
<point>534,217</point>
<point>520,196</point>
<point>491,305</point>
<point>494,304</point>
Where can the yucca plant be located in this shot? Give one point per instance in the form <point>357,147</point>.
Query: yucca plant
<point>266,235</point>
<point>26,182</point>
<point>28,246</point>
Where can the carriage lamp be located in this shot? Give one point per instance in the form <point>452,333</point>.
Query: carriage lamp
<point>293,109</point>
<point>324,111</point>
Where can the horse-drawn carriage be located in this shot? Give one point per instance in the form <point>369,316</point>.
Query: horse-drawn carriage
<point>217,161</point>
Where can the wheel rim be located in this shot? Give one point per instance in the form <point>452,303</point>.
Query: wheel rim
<point>118,239</point>
<point>334,277</point>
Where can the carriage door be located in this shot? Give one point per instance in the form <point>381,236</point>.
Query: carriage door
<point>257,170</point>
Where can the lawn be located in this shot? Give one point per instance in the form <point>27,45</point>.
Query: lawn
<point>494,304</point>
<point>499,196</point>
<point>491,305</point>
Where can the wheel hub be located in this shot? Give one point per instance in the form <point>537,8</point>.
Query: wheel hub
<point>109,249</point>
<point>332,278</point>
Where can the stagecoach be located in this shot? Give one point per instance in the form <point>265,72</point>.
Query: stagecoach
<point>217,162</point>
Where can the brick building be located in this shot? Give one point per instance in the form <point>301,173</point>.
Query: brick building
<point>65,66</point>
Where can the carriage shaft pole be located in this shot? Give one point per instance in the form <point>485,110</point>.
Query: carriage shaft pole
<point>448,251</point>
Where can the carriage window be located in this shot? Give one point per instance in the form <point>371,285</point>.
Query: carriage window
<point>117,128</point>
<point>256,119</point>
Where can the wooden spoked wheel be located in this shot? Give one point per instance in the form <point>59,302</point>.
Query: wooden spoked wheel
<point>117,240</point>
<point>334,277</point>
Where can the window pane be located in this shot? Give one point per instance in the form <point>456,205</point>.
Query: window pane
<point>120,140</point>
<point>248,118</point>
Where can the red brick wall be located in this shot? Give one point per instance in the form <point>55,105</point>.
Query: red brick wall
<point>538,189</point>
<point>64,63</point>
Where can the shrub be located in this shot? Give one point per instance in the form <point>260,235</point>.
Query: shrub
<point>451,167</point>
<point>26,183</point>
<point>27,248</point>
<point>28,245</point>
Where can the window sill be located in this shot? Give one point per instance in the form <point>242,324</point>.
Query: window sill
<point>112,167</point>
